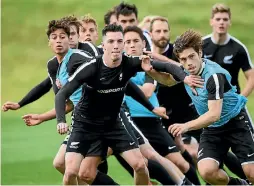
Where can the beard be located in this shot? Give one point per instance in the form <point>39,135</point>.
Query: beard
<point>162,43</point>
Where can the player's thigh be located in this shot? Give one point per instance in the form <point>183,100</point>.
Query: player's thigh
<point>157,136</point>
<point>134,158</point>
<point>118,138</point>
<point>241,138</point>
<point>213,145</point>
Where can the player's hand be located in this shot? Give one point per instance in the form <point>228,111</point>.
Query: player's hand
<point>10,106</point>
<point>160,111</point>
<point>194,81</point>
<point>58,84</point>
<point>62,128</point>
<point>178,129</point>
<point>32,119</point>
<point>146,63</point>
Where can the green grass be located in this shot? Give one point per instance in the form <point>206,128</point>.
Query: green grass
<point>28,152</point>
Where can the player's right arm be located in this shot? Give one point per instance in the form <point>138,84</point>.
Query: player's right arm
<point>83,74</point>
<point>36,119</point>
<point>37,92</point>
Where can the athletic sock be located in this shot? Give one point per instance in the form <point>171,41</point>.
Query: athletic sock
<point>103,179</point>
<point>188,158</point>
<point>191,174</point>
<point>158,172</point>
<point>103,167</point>
<point>234,165</point>
<point>124,164</point>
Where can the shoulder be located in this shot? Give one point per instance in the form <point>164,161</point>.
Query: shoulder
<point>207,38</point>
<point>238,44</point>
<point>52,62</point>
<point>89,47</point>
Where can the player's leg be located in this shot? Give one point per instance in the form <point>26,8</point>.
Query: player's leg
<point>123,143</point>
<point>164,144</point>
<point>59,160</point>
<point>88,169</point>
<point>242,143</point>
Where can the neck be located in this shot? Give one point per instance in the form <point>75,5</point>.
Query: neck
<point>219,38</point>
<point>110,63</point>
<point>61,56</point>
<point>157,50</point>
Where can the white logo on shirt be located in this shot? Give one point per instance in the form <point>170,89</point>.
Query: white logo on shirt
<point>228,59</point>
<point>121,76</point>
<point>200,153</point>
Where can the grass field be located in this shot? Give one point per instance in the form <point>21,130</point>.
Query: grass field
<point>27,153</point>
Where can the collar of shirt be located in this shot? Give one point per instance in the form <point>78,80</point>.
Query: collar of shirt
<point>202,68</point>
<point>226,41</point>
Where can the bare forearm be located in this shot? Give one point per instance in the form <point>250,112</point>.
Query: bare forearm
<point>163,78</point>
<point>248,87</point>
<point>52,113</point>
<point>202,121</point>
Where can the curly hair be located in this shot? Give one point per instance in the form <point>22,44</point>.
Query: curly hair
<point>189,39</point>
<point>72,21</point>
<point>57,24</point>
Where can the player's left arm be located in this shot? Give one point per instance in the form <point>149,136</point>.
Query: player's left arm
<point>216,85</point>
<point>248,70</point>
<point>136,93</point>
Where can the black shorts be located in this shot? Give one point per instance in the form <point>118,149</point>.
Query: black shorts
<point>88,136</point>
<point>183,116</point>
<point>157,136</point>
<point>236,134</point>
<point>131,128</point>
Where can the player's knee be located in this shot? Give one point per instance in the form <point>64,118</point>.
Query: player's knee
<point>206,172</point>
<point>87,176</point>
<point>151,155</point>
<point>59,165</point>
<point>139,166</point>
<point>70,175</point>
<point>250,174</point>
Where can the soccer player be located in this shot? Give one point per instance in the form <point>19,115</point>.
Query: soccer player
<point>221,111</point>
<point>175,99</point>
<point>110,17</point>
<point>149,124</point>
<point>106,77</point>
<point>232,55</point>
<point>89,29</point>
<point>127,15</point>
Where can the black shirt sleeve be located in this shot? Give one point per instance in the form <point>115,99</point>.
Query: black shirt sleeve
<point>89,47</point>
<point>176,71</point>
<point>216,86</point>
<point>149,79</point>
<point>134,63</point>
<point>76,60</point>
<point>136,93</point>
<point>84,74</point>
<point>244,59</point>
<point>37,92</point>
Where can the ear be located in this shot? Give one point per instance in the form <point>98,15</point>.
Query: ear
<point>49,44</point>
<point>144,43</point>
<point>200,53</point>
<point>211,22</point>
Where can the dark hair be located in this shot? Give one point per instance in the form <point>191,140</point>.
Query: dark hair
<point>57,24</point>
<point>189,39</point>
<point>126,9</point>
<point>112,28</point>
<point>71,21</point>
<point>108,15</point>
<point>134,29</point>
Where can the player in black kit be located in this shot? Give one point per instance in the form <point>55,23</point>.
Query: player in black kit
<point>96,119</point>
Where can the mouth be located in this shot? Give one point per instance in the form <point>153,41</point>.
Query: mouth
<point>59,47</point>
<point>88,39</point>
<point>191,69</point>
